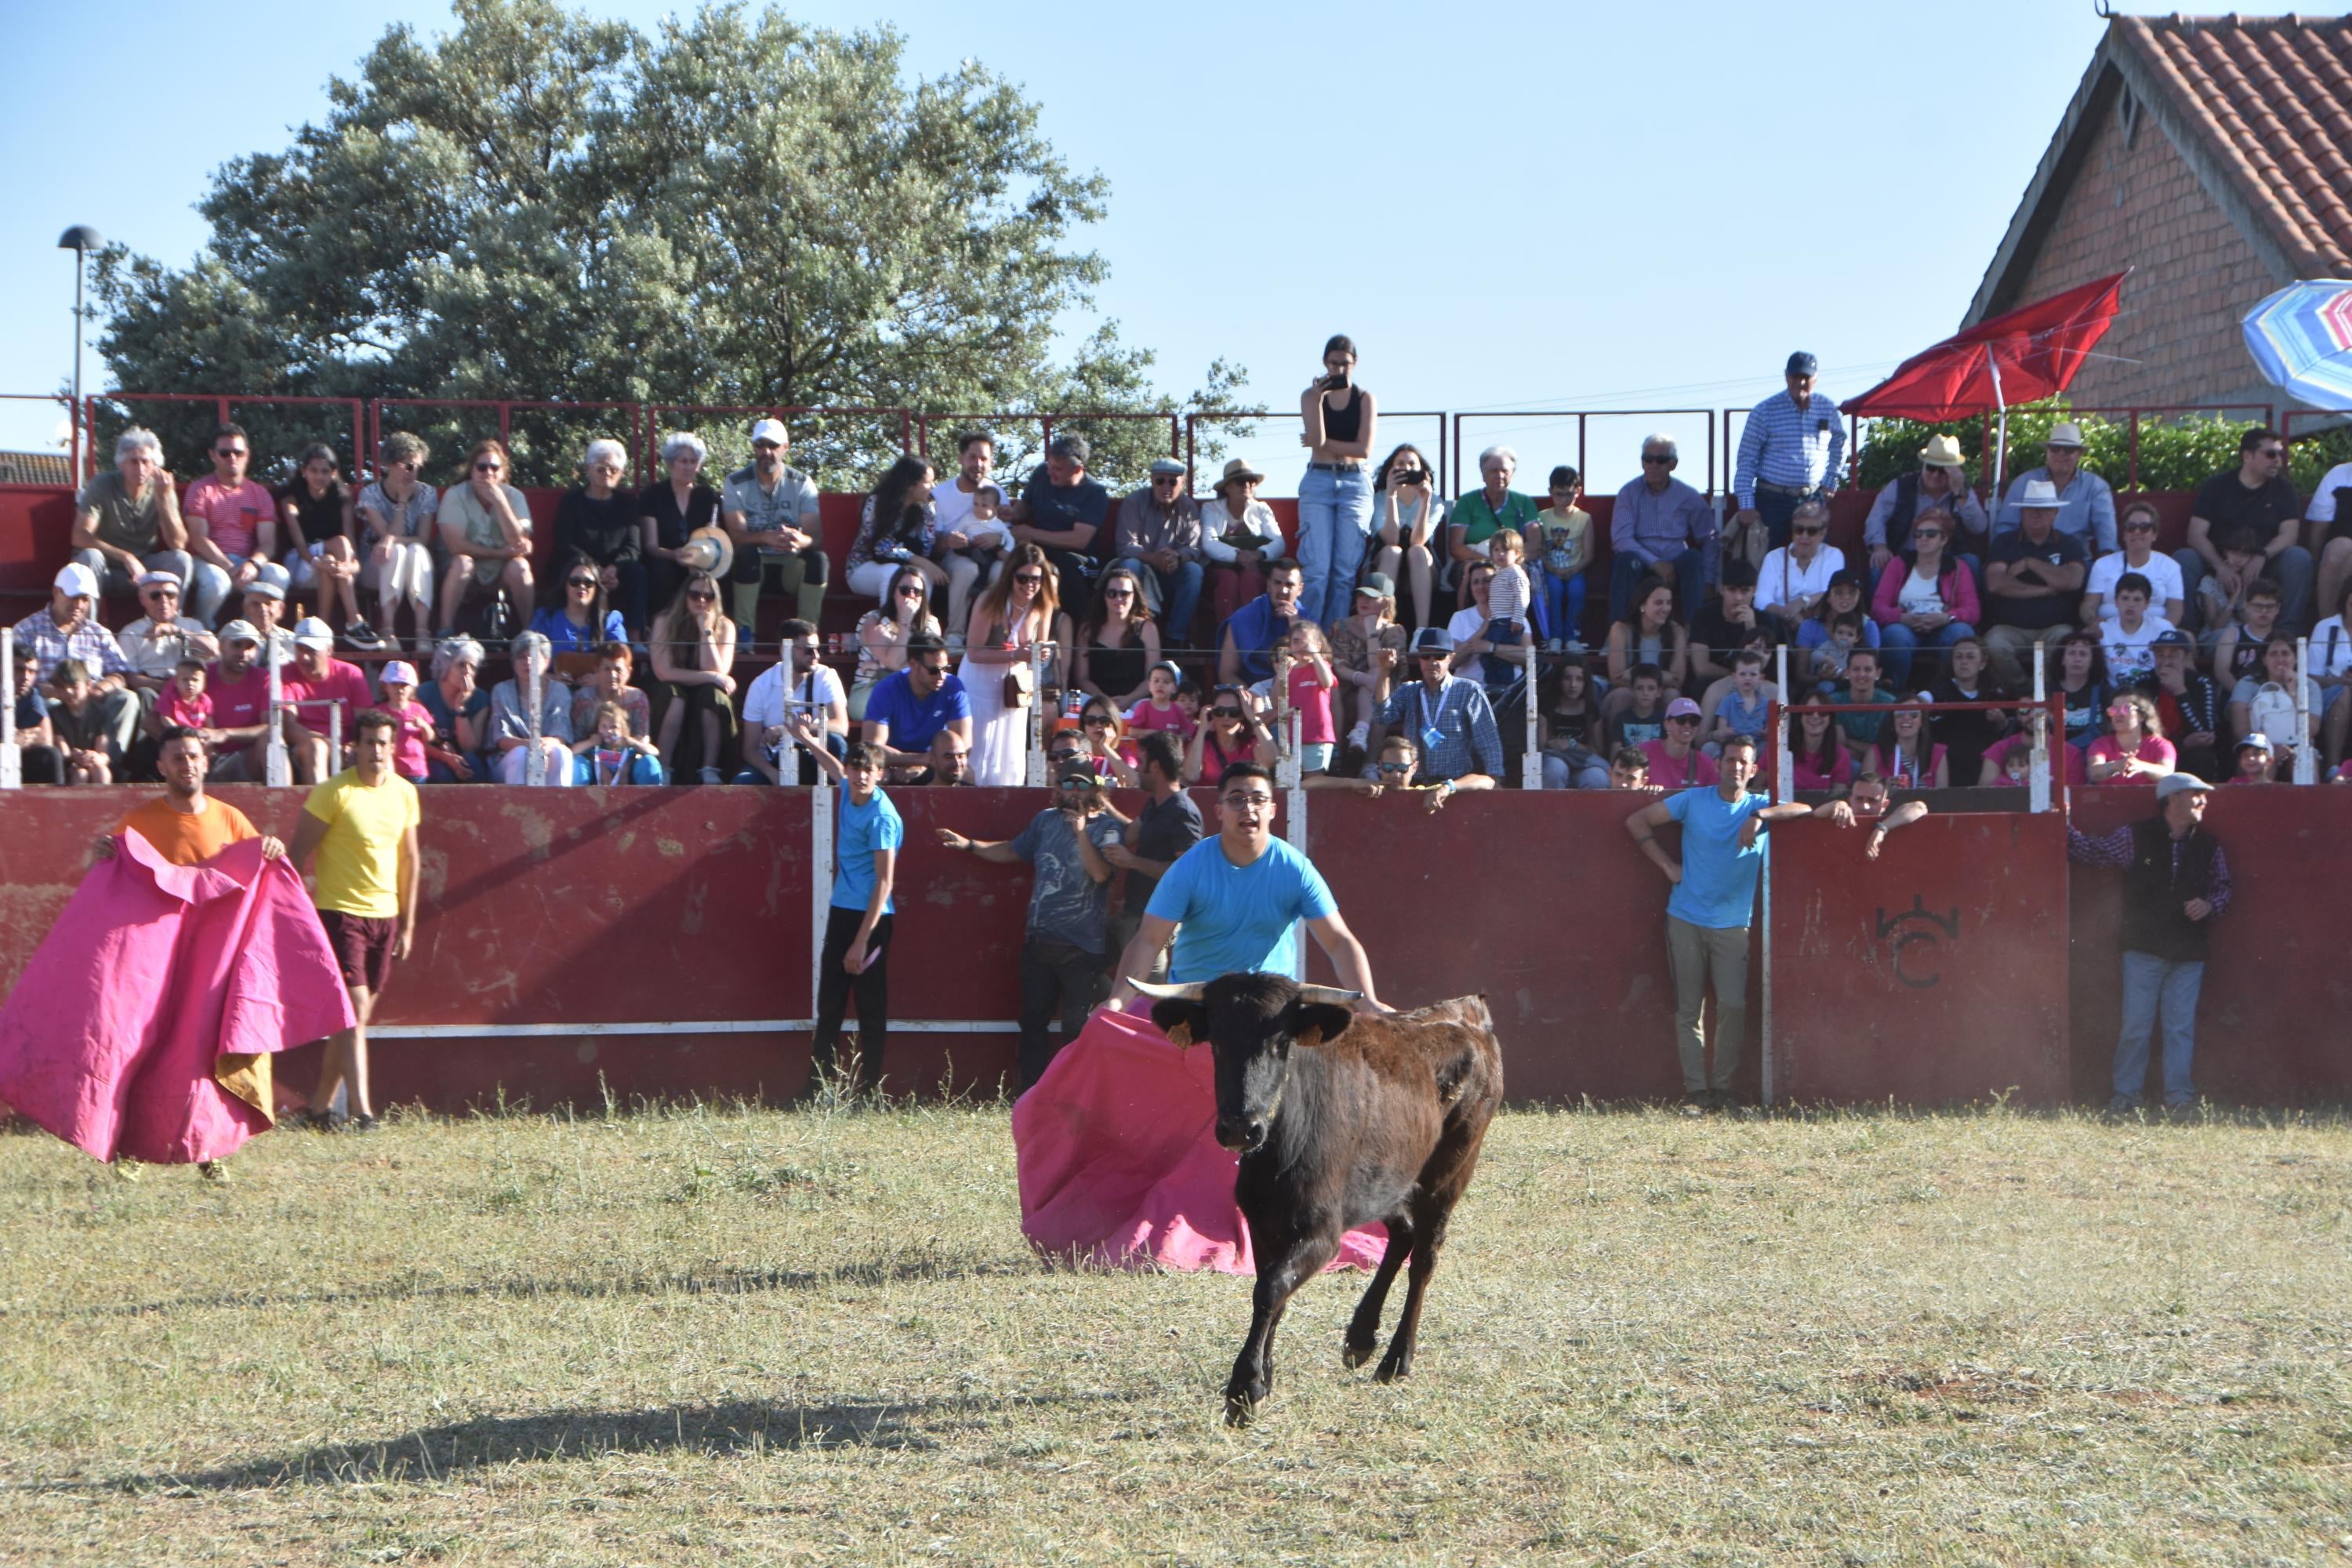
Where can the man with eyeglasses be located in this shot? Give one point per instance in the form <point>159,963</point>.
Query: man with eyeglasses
<point>1675,760</point>
<point>799,682</point>
<point>1789,451</point>
<point>161,637</point>
<point>1229,904</point>
<point>1063,948</point>
<point>1392,774</point>
<point>1160,531</point>
<point>1246,643</point>
<point>771,510</point>
<point>1661,527</point>
<point>232,520</point>
<point>1794,577</point>
<point>906,711</point>
<point>67,628</point>
<point>2255,495</point>
<point>1449,720</point>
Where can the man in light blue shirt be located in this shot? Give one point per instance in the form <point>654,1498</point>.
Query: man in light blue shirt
<point>1707,913</point>
<point>1789,451</point>
<point>1230,903</point>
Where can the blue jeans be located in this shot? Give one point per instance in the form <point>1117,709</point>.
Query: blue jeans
<point>1335,518</point>
<point>1179,596</point>
<point>1583,771</point>
<point>641,769</point>
<point>1626,571</point>
<point>1898,645</point>
<point>2150,983</point>
<point>1561,609</point>
<point>2291,568</point>
<point>1777,507</point>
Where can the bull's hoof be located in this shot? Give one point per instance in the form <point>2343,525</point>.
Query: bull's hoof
<point>1355,1353</point>
<point>1240,1409</point>
<point>1392,1368</point>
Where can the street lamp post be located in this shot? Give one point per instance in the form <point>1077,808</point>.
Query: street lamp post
<point>81,240</point>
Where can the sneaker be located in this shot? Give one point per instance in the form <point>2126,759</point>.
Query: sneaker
<point>1553,645</point>
<point>1696,1103</point>
<point>1361,735</point>
<point>362,636</point>
<point>712,775</point>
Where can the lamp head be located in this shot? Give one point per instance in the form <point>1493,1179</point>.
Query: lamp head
<point>81,239</point>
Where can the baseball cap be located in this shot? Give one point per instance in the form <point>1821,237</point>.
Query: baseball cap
<point>1682,707</point>
<point>2172,637</point>
<point>1803,363</point>
<point>313,632</point>
<point>1173,672</point>
<point>399,672</point>
<point>241,631</point>
<point>2257,742</point>
<point>76,581</point>
<point>1167,466</point>
<point>772,430</point>
<point>1077,773</point>
<point>1377,582</point>
<point>2171,784</point>
<point>150,579</point>
<point>1433,639</point>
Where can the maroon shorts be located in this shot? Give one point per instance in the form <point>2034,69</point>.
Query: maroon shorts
<point>362,947</point>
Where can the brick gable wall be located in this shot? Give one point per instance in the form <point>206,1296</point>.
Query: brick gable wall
<point>2141,206</point>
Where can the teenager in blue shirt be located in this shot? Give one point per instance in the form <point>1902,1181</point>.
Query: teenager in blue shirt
<point>1230,903</point>
<point>867,838</point>
<point>1707,912</point>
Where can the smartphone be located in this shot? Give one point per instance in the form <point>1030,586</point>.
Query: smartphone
<point>1336,380</point>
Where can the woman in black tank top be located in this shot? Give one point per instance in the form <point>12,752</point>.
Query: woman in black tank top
<point>1335,497</point>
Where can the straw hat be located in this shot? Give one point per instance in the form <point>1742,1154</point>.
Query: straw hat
<point>1238,468</point>
<point>1943,452</point>
<point>709,550</point>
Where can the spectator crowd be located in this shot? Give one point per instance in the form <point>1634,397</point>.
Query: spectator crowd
<point>1399,639</point>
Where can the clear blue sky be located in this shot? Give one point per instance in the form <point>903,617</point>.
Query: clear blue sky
<point>1509,206</point>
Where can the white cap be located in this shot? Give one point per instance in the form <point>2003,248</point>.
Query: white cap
<point>76,581</point>
<point>263,587</point>
<point>399,672</point>
<point>313,632</point>
<point>240,631</point>
<point>772,430</point>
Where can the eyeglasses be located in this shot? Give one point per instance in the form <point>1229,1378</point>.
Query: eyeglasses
<point>2272,452</point>
<point>228,451</point>
<point>159,592</point>
<point>1029,578</point>
<point>1656,458</point>
<point>587,582</point>
<point>1396,767</point>
<point>1819,530</point>
<point>1239,801</point>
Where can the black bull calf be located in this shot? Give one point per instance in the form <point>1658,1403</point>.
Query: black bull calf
<point>1340,1118</point>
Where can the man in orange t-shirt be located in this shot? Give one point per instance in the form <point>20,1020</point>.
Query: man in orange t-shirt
<point>186,826</point>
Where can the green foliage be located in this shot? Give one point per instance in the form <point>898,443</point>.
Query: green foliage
<point>2175,453</point>
<point>735,210</point>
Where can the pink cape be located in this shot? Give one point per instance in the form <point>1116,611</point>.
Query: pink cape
<point>113,1035</point>
<point>1118,1160</point>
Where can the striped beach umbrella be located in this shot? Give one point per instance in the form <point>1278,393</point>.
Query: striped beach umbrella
<point>2301,339</point>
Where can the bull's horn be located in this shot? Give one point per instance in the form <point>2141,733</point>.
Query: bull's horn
<point>1330,993</point>
<point>1192,992</point>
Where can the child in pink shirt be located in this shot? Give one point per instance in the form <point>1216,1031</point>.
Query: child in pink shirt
<point>184,701</point>
<point>1307,679</point>
<point>1159,709</point>
<point>412,729</point>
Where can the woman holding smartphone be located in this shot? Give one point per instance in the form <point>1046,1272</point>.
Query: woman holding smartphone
<point>1335,497</point>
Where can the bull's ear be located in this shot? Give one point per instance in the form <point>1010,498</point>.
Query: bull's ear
<point>1182,1022</point>
<point>1312,1023</point>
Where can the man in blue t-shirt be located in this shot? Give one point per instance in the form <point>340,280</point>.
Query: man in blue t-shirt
<point>1229,903</point>
<point>906,710</point>
<point>867,835</point>
<point>1707,912</point>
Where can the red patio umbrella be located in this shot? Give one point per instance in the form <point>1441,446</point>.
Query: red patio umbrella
<point>2018,356</point>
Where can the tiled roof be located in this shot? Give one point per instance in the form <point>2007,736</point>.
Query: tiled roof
<point>36,468</point>
<point>2271,98</point>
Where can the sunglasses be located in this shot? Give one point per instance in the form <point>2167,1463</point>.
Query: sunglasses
<point>1098,722</point>
<point>159,592</point>
<point>2140,525</point>
<point>1031,578</point>
<point>1396,767</point>
<point>767,445</point>
<point>583,582</point>
<point>1063,756</point>
<point>1684,719</point>
<point>1915,533</point>
<point>1224,712</point>
<point>932,669</point>
<point>1118,593</point>
<point>1815,531</point>
<point>2272,452</point>
<point>703,595</point>
<point>486,466</point>
<point>228,451</point>
<point>1654,458</point>
<point>906,588</point>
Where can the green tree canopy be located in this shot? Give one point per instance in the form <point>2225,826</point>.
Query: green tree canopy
<point>737,210</point>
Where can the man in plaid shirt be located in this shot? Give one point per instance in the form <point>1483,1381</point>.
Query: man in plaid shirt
<point>1789,451</point>
<point>67,629</point>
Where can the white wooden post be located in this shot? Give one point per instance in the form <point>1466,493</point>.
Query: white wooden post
<point>821,809</point>
<point>1035,769</point>
<point>1784,760</point>
<point>1287,767</point>
<point>12,755</point>
<point>2037,785</point>
<point>1531,758</point>
<point>277,769</point>
<point>2306,765</point>
<point>334,738</point>
<point>534,762</point>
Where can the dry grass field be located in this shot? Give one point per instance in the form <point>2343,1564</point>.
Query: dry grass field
<point>721,1335</point>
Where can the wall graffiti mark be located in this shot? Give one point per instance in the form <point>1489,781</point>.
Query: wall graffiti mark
<point>1915,939</point>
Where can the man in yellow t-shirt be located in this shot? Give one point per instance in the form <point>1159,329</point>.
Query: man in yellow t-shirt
<point>362,824</point>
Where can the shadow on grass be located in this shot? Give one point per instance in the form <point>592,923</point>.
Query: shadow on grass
<point>722,1282</point>
<point>431,1454</point>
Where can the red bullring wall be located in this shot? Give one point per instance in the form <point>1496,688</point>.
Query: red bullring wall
<point>692,907</point>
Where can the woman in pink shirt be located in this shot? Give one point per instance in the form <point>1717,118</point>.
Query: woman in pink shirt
<point>2134,750</point>
<point>1930,603</point>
